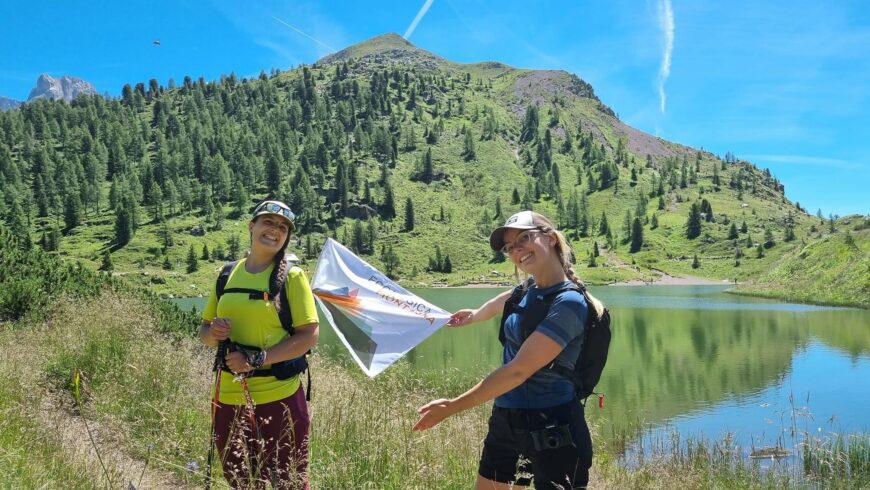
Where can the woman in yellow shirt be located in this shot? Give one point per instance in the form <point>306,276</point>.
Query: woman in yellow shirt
<point>261,421</point>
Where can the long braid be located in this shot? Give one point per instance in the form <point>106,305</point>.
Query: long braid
<point>566,254</point>
<point>279,273</point>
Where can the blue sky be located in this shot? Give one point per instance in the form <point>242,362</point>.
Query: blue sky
<point>785,84</point>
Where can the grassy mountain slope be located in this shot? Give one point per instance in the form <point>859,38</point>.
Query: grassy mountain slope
<point>325,137</point>
<point>840,262</point>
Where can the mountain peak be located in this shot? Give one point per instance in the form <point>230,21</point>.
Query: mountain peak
<point>384,47</point>
<point>65,87</point>
<point>6,103</point>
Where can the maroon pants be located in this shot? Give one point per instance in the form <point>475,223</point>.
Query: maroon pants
<point>274,450</point>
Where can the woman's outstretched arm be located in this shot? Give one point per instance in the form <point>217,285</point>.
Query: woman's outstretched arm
<point>484,312</point>
<point>535,353</point>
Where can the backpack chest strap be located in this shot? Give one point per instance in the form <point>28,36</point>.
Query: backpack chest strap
<point>252,293</point>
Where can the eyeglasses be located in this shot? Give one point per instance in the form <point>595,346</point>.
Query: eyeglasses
<point>274,207</point>
<point>521,240</point>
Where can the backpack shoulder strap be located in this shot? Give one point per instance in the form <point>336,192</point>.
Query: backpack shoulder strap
<point>542,308</point>
<point>512,305</point>
<point>223,277</point>
<point>284,313</point>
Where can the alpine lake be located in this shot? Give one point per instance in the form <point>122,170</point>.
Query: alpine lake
<point>691,362</point>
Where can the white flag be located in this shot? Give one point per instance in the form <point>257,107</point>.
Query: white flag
<point>376,319</point>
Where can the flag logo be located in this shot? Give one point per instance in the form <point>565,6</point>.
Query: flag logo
<point>375,318</point>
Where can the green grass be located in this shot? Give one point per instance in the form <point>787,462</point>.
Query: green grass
<point>146,398</point>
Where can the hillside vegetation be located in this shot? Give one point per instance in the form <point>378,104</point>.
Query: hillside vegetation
<point>407,158</point>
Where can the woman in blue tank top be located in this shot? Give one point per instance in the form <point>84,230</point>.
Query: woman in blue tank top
<point>537,430</point>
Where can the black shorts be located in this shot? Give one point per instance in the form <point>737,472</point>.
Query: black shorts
<point>551,446</point>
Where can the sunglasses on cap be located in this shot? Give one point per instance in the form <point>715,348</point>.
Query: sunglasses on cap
<point>275,208</point>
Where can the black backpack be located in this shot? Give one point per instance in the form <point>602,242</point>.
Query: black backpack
<point>593,352</point>
<point>281,370</point>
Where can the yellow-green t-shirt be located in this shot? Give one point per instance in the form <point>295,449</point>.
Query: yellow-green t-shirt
<point>255,322</point>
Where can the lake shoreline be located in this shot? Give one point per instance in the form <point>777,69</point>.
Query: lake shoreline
<point>663,280</point>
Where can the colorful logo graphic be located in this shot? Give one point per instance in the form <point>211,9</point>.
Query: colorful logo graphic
<point>346,310</point>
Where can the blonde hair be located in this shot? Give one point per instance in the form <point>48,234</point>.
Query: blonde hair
<point>566,254</point>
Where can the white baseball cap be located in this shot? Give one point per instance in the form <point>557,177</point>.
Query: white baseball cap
<point>524,220</point>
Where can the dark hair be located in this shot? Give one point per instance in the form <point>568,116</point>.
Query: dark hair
<point>278,275</point>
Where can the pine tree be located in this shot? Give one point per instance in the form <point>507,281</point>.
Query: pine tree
<point>390,260</point>
<point>205,253</point>
<point>654,222</point>
<point>409,215</point>
<point>428,172</point>
<point>309,247</point>
<point>468,146</point>
<point>448,265</point>
<point>72,211</point>
<point>192,263</point>
<point>695,262</point>
<point>732,232</point>
<point>693,224</point>
<point>166,236</point>
<point>388,208</point>
<point>707,210</point>
<point>233,247</point>
<point>636,235</point>
<point>439,261</point>
<point>626,227</point>
<point>273,174</point>
<point>123,226</point>
<point>106,264</point>
<point>358,239</point>
<point>603,227</point>
<point>530,124</point>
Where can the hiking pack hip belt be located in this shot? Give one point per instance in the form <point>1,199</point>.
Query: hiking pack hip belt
<point>280,370</point>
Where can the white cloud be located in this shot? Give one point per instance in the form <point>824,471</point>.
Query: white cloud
<point>666,23</point>
<point>417,18</point>
<point>281,50</point>
<point>306,35</point>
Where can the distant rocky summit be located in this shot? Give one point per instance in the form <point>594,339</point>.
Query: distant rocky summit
<point>6,103</point>
<point>65,87</point>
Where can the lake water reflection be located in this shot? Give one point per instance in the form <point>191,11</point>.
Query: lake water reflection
<point>697,360</point>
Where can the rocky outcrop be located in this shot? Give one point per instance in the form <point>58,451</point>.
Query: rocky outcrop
<point>6,103</point>
<point>65,87</point>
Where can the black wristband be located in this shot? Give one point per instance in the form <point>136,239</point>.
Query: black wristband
<point>256,358</point>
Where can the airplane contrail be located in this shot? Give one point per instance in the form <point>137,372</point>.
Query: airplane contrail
<point>418,18</point>
<point>666,22</point>
<point>306,35</point>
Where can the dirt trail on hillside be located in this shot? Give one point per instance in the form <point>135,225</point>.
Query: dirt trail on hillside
<point>125,471</point>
